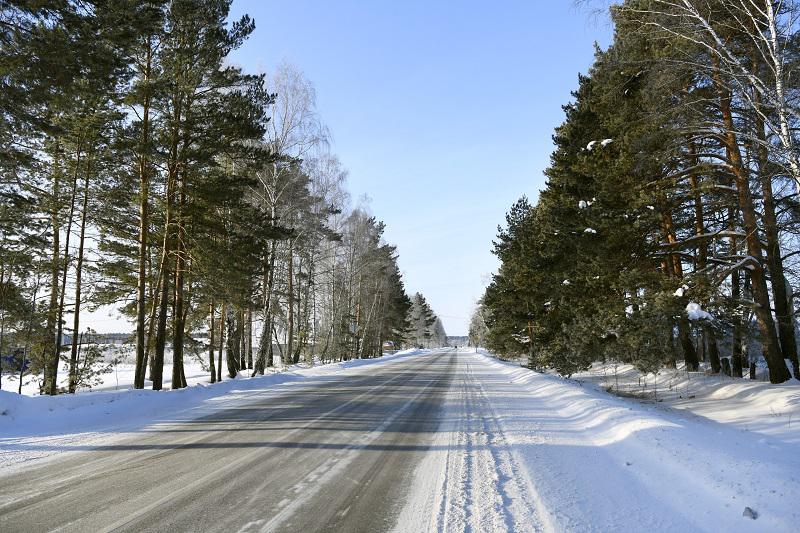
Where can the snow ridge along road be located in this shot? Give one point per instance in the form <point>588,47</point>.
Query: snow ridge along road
<point>440,441</point>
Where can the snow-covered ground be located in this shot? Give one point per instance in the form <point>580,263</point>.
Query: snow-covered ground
<point>113,410</point>
<point>523,451</point>
<point>518,450</point>
<point>750,405</point>
<point>119,359</point>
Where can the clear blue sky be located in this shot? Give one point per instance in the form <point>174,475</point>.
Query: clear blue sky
<point>441,111</point>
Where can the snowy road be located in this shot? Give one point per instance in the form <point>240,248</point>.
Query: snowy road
<point>441,441</point>
<point>336,453</point>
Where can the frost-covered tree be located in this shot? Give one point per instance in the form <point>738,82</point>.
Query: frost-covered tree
<point>477,325</point>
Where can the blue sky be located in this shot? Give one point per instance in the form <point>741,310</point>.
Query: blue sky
<point>441,111</point>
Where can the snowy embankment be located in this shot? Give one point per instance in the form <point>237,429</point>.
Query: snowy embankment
<point>103,415</point>
<point>591,461</point>
<point>750,405</point>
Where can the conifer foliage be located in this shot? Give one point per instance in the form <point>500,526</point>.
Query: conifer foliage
<point>142,170</point>
<point>668,225</point>
<point>425,328</point>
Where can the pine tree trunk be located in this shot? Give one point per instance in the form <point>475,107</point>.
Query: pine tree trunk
<point>737,367</point>
<point>222,315</point>
<point>73,359</point>
<point>699,220</point>
<point>685,337</point>
<point>178,320</point>
<point>157,372</point>
<point>28,333</point>
<point>240,329</point>
<point>211,328</point>
<point>702,256</point>
<point>144,194</point>
<point>2,329</point>
<point>250,339</point>
<point>151,324</point>
<point>56,356</point>
<point>232,347</point>
<point>52,309</point>
<point>713,350</point>
<point>675,270</point>
<point>783,311</point>
<point>778,373</point>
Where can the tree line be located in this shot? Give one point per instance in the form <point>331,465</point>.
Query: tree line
<point>668,226</point>
<point>142,169</point>
<point>426,330</point>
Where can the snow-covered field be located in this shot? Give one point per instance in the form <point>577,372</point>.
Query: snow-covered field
<point>120,359</point>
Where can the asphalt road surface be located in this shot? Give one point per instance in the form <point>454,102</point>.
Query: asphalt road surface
<point>334,454</point>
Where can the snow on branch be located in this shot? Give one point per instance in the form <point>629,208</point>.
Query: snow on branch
<point>696,239</point>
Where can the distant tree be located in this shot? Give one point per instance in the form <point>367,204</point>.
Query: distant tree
<point>477,325</point>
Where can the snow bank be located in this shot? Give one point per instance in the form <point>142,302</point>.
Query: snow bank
<point>749,405</point>
<point>597,462</point>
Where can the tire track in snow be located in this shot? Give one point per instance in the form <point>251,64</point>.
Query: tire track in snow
<point>481,486</point>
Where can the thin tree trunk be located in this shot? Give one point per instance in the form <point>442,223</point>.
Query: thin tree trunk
<point>675,270</point>
<point>250,339</point>
<point>232,347</point>
<point>144,194</point>
<point>151,324</point>
<point>713,350</point>
<point>4,286</point>
<point>290,305</point>
<point>178,320</point>
<point>73,359</point>
<point>240,330</point>
<point>786,136</point>
<point>28,332</point>
<point>265,354</point>
<point>709,335</point>
<point>53,385</point>
<point>211,328</point>
<point>52,310</point>
<point>278,342</point>
<point>157,372</point>
<point>221,340</point>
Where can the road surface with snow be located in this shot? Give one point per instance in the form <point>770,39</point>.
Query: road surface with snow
<point>439,441</point>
